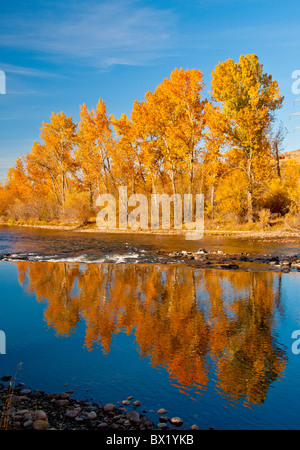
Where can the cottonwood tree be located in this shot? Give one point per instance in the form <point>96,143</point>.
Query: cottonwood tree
<point>52,161</point>
<point>94,149</point>
<point>247,99</point>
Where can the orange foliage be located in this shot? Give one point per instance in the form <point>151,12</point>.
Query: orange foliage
<point>181,318</point>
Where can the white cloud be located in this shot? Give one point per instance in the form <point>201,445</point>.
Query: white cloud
<point>100,34</point>
<point>27,71</point>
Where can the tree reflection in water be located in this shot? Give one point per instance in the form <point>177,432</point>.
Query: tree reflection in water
<point>198,324</point>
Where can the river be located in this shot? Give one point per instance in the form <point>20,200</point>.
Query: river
<point>106,316</point>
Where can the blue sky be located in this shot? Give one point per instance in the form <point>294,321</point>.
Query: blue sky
<point>58,55</point>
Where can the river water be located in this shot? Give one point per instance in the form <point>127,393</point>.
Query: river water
<point>105,316</point>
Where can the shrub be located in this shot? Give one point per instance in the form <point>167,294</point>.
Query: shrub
<point>77,207</point>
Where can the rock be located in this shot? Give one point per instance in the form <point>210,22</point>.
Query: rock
<point>195,427</point>
<point>63,395</point>
<point>79,419</point>
<point>27,417</point>
<point>40,425</point>
<point>25,391</point>
<point>164,419</point>
<point>176,421</point>
<point>125,402</point>
<point>53,395</point>
<point>162,411</point>
<point>136,403</point>
<point>61,403</point>
<point>28,424</point>
<point>202,251</point>
<point>23,411</point>
<point>200,257</point>
<point>118,417</point>
<point>109,407</point>
<point>229,266</point>
<point>296,264</point>
<point>6,378</point>
<point>162,425</point>
<point>72,413</point>
<point>92,415</point>
<point>133,416</point>
<point>40,415</point>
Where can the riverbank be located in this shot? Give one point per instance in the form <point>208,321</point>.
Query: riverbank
<point>275,235</point>
<point>25,409</point>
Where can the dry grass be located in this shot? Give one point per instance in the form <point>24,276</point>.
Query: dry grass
<point>6,410</point>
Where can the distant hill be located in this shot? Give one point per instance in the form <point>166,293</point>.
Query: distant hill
<point>294,154</point>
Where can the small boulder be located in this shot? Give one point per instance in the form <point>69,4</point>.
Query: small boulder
<point>162,411</point>
<point>6,378</point>
<point>109,407</point>
<point>40,415</point>
<point>72,413</point>
<point>176,421</point>
<point>40,425</point>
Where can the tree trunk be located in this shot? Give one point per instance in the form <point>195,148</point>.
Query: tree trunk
<point>250,185</point>
<point>250,204</point>
<point>212,200</point>
<point>277,159</point>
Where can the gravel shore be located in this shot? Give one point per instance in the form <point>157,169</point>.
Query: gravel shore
<point>22,408</point>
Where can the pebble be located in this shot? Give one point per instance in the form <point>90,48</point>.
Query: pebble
<point>176,421</point>
<point>164,418</point>
<point>61,403</point>
<point>6,378</point>
<point>162,411</point>
<point>109,407</point>
<point>63,395</point>
<point>25,391</point>
<point>40,415</point>
<point>133,416</point>
<point>40,425</point>
<point>72,413</point>
<point>41,411</point>
<point>53,395</point>
<point>162,425</point>
<point>28,424</point>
